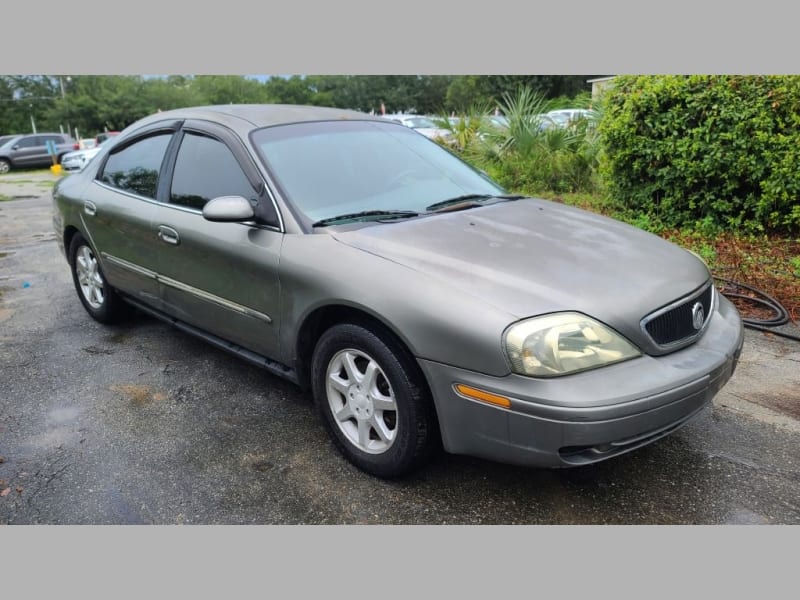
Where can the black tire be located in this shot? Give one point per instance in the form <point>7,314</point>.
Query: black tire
<point>413,422</point>
<point>5,166</point>
<point>107,308</point>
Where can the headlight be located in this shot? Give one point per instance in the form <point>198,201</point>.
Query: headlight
<point>562,343</point>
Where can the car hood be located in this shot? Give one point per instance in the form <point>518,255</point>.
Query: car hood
<point>530,257</point>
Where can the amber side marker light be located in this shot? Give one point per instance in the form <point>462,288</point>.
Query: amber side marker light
<point>476,394</point>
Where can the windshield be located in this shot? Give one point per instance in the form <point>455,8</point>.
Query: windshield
<point>4,139</point>
<point>330,168</point>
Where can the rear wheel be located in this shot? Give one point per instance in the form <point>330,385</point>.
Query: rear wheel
<point>97,296</point>
<point>372,400</point>
<point>5,165</point>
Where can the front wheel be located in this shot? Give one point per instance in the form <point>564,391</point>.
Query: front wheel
<point>372,400</point>
<point>5,166</point>
<point>97,296</point>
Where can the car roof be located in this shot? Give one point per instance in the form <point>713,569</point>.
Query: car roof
<point>245,117</point>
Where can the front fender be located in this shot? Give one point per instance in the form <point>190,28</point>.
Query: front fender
<point>435,322</point>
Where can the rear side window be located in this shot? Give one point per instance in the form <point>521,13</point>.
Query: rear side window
<point>135,168</point>
<point>205,169</point>
<point>30,142</point>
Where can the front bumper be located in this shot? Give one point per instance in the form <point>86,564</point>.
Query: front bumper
<point>590,416</point>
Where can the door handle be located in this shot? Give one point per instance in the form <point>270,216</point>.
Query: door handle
<point>168,235</point>
<point>89,208</point>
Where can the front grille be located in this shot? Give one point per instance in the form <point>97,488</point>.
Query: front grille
<point>675,324</point>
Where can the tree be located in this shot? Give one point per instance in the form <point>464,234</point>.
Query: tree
<point>228,89</point>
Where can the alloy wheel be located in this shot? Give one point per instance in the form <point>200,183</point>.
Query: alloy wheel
<point>361,401</point>
<point>89,278</point>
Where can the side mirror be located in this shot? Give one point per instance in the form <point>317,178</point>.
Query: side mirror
<point>15,147</point>
<point>228,209</point>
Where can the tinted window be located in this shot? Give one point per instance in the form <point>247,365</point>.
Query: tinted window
<point>135,168</point>
<point>205,169</point>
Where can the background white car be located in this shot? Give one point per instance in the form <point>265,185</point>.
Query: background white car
<point>76,160</point>
<point>563,117</point>
<point>423,125</point>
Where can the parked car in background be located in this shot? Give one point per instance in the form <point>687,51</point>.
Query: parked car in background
<point>86,143</point>
<point>5,138</point>
<point>498,121</point>
<point>423,125</point>
<point>101,137</point>
<point>76,160</point>
<point>420,303</point>
<point>30,150</point>
<point>563,117</point>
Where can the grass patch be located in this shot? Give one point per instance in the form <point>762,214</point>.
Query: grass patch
<point>18,172</point>
<point>41,182</point>
<point>4,198</point>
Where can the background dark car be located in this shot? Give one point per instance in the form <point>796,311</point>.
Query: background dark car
<point>30,150</point>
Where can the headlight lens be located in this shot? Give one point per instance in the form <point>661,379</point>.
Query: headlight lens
<point>562,343</point>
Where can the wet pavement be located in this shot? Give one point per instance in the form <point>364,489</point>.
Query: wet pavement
<point>140,423</point>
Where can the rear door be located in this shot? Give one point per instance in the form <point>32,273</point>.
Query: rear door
<point>118,212</point>
<point>220,277</point>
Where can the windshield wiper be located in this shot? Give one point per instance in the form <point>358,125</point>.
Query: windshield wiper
<point>385,214</point>
<point>467,197</point>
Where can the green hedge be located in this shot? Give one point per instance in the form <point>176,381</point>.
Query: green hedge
<point>708,151</point>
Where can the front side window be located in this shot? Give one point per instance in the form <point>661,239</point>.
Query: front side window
<point>135,168</point>
<point>205,169</point>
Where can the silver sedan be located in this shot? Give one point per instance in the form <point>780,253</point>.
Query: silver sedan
<point>419,303</point>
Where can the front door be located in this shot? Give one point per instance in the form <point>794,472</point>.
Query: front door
<point>220,277</point>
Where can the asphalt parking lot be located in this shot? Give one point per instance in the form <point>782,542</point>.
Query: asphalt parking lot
<point>140,423</point>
